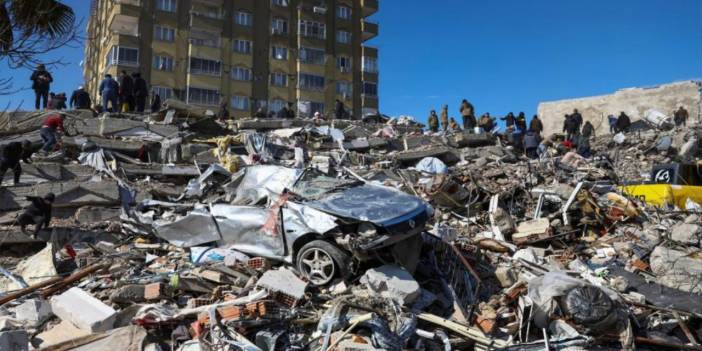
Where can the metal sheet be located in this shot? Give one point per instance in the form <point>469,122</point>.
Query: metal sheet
<point>242,229</point>
<point>197,228</point>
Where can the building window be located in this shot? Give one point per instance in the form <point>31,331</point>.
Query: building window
<point>370,64</point>
<point>120,55</point>
<point>204,38</point>
<point>283,3</point>
<point>240,102</point>
<point>279,79</point>
<point>163,63</point>
<point>313,29</point>
<point>344,88</point>
<point>343,12</point>
<point>244,18</point>
<point>166,5</point>
<point>203,96</point>
<point>343,63</point>
<point>241,73</point>
<point>162,92</point>
<point>310,81</point>
<point>279,26</point>
<point>276,105</point>
<point>164,33</point>
<point>343,37</point>
<point>279,53</point>
<point>370,89</point>
<point>312,56</point>
<point>204,66</point>
<point>243,46</point>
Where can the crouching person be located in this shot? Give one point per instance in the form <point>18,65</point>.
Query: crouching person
<point>38,213</point>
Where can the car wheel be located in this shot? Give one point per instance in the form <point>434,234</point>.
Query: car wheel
<point>320,261</point>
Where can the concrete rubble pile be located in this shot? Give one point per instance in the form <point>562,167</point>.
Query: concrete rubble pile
<point>175,231</point>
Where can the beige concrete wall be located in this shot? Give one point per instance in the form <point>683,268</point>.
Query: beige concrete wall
<point>633,101</point>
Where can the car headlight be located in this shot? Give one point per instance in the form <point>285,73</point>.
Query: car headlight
<point>367,230</point>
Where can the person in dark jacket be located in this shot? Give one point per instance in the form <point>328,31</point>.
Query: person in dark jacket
<point>433,122</point>
<point>578,118</point>
<point>10,158</point>
<point>520,121</point>
<point>570,127</point>
<point>260,113</point>
<point>60,101</point>
<point>468,115</point>
<point>38,213</point>
<point>531,144</point>
<point>80,99</point>
<point>623,123</point>
<point>141,92</point>
<point>444,118</point>
<point>588,130</point>
<point>41,84</point>
<point>486,122</point>
<point>109,90</point>
<point>509,120</point>
<point>126,92</point>
<point>680,117</point>
<point>535,125</point>
<point>223,113</point>
<point>291,112</point>
<point>583,149</point>
<point>339,110</point>
<point>612,124</point>
<point>155,103</point>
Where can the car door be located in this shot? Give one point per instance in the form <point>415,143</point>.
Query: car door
<point>251,230</point>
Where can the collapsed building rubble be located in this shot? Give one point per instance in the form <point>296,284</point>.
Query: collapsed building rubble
<point>173,231</point>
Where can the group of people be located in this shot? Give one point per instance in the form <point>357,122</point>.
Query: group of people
<point>467,111</point>
<point>619,124</point>
<point>128,94</point>
<point>287,112</point>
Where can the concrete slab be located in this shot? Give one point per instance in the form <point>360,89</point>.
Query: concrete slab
<point>83,310</point>
<point>393,282</point>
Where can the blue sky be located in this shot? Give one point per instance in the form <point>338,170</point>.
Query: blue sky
<point>504,55</point>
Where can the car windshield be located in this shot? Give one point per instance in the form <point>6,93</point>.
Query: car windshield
<point>312,185</point>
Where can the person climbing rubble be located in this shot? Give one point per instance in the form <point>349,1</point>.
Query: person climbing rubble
<point>51,131</point>
<point>10,158</point>
<point>38,213</point>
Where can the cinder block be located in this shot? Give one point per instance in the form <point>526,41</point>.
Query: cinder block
<point>33,312</point>
<point>15,340</point>
<point>154,291</point>
<point>83,310</point>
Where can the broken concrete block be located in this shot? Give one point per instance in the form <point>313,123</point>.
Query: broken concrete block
<point>393,282</point>
<point>154,291</point>
<point>677,269</point>
<point>15,340</point>
<point>686,234</point>
<point>83,310</point>
<point>33,312</point>
<point>283,281</point>
<point>128,294</point>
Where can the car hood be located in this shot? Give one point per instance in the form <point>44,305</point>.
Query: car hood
<point>379,205</point>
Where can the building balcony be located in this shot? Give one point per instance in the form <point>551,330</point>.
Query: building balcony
<point>369,29</point>
<point>369,51</point>
<point>128,2</point>
<point>207,21</point>
<point>124,25</point>
<point>370,7</point>
<point>215,3</point>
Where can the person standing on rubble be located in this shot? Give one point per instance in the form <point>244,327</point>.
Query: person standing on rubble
<point>339,110</point>
<point>141,91</point>
<point>126,92</point>
<point>612,124</point>
<point>60,101</point>
<point>588,130</point>
<point>80,99</point>
<point>623,123</point>
<point>531,144</point>
<point>433,122</point>
<point>578,119</point>
<point>681,117</point>
<point>10,158</point>
<point>291,111</point>
<point>108,91</point>
<point>520,121</point>
<point>41,84</point>
<point>260,113</point>
<point>444,118</point>
<point>468,114</point>
<point>509,120</point>
<point>570,127</point>
<point>453,125</point>
<point>38,213</point>
<point>155,103</point>
<point>53,125</point>
<point>486,123</point>
<point>223,113</point>
<point>535,125</point>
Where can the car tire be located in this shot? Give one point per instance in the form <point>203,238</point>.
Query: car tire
<point>320,262</point>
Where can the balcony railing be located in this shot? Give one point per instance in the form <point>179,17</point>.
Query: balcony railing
<point>370,7</point>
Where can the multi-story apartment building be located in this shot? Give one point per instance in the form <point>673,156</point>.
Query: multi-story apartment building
<point>249,53</point>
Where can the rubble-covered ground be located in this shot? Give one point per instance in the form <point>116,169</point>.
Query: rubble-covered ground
<point>173,231</point>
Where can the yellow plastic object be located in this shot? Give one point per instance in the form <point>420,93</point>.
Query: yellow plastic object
<point>664,194</point>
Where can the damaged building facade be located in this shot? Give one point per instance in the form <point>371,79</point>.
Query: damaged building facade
<point>247,53</point>
<point>635,102</point>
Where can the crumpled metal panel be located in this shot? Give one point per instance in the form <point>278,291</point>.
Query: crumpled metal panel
<point>197,228</point>
<point>264,181</point>
<point>242,229</point>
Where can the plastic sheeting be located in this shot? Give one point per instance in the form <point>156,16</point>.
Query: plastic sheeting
<point>432,165</point>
